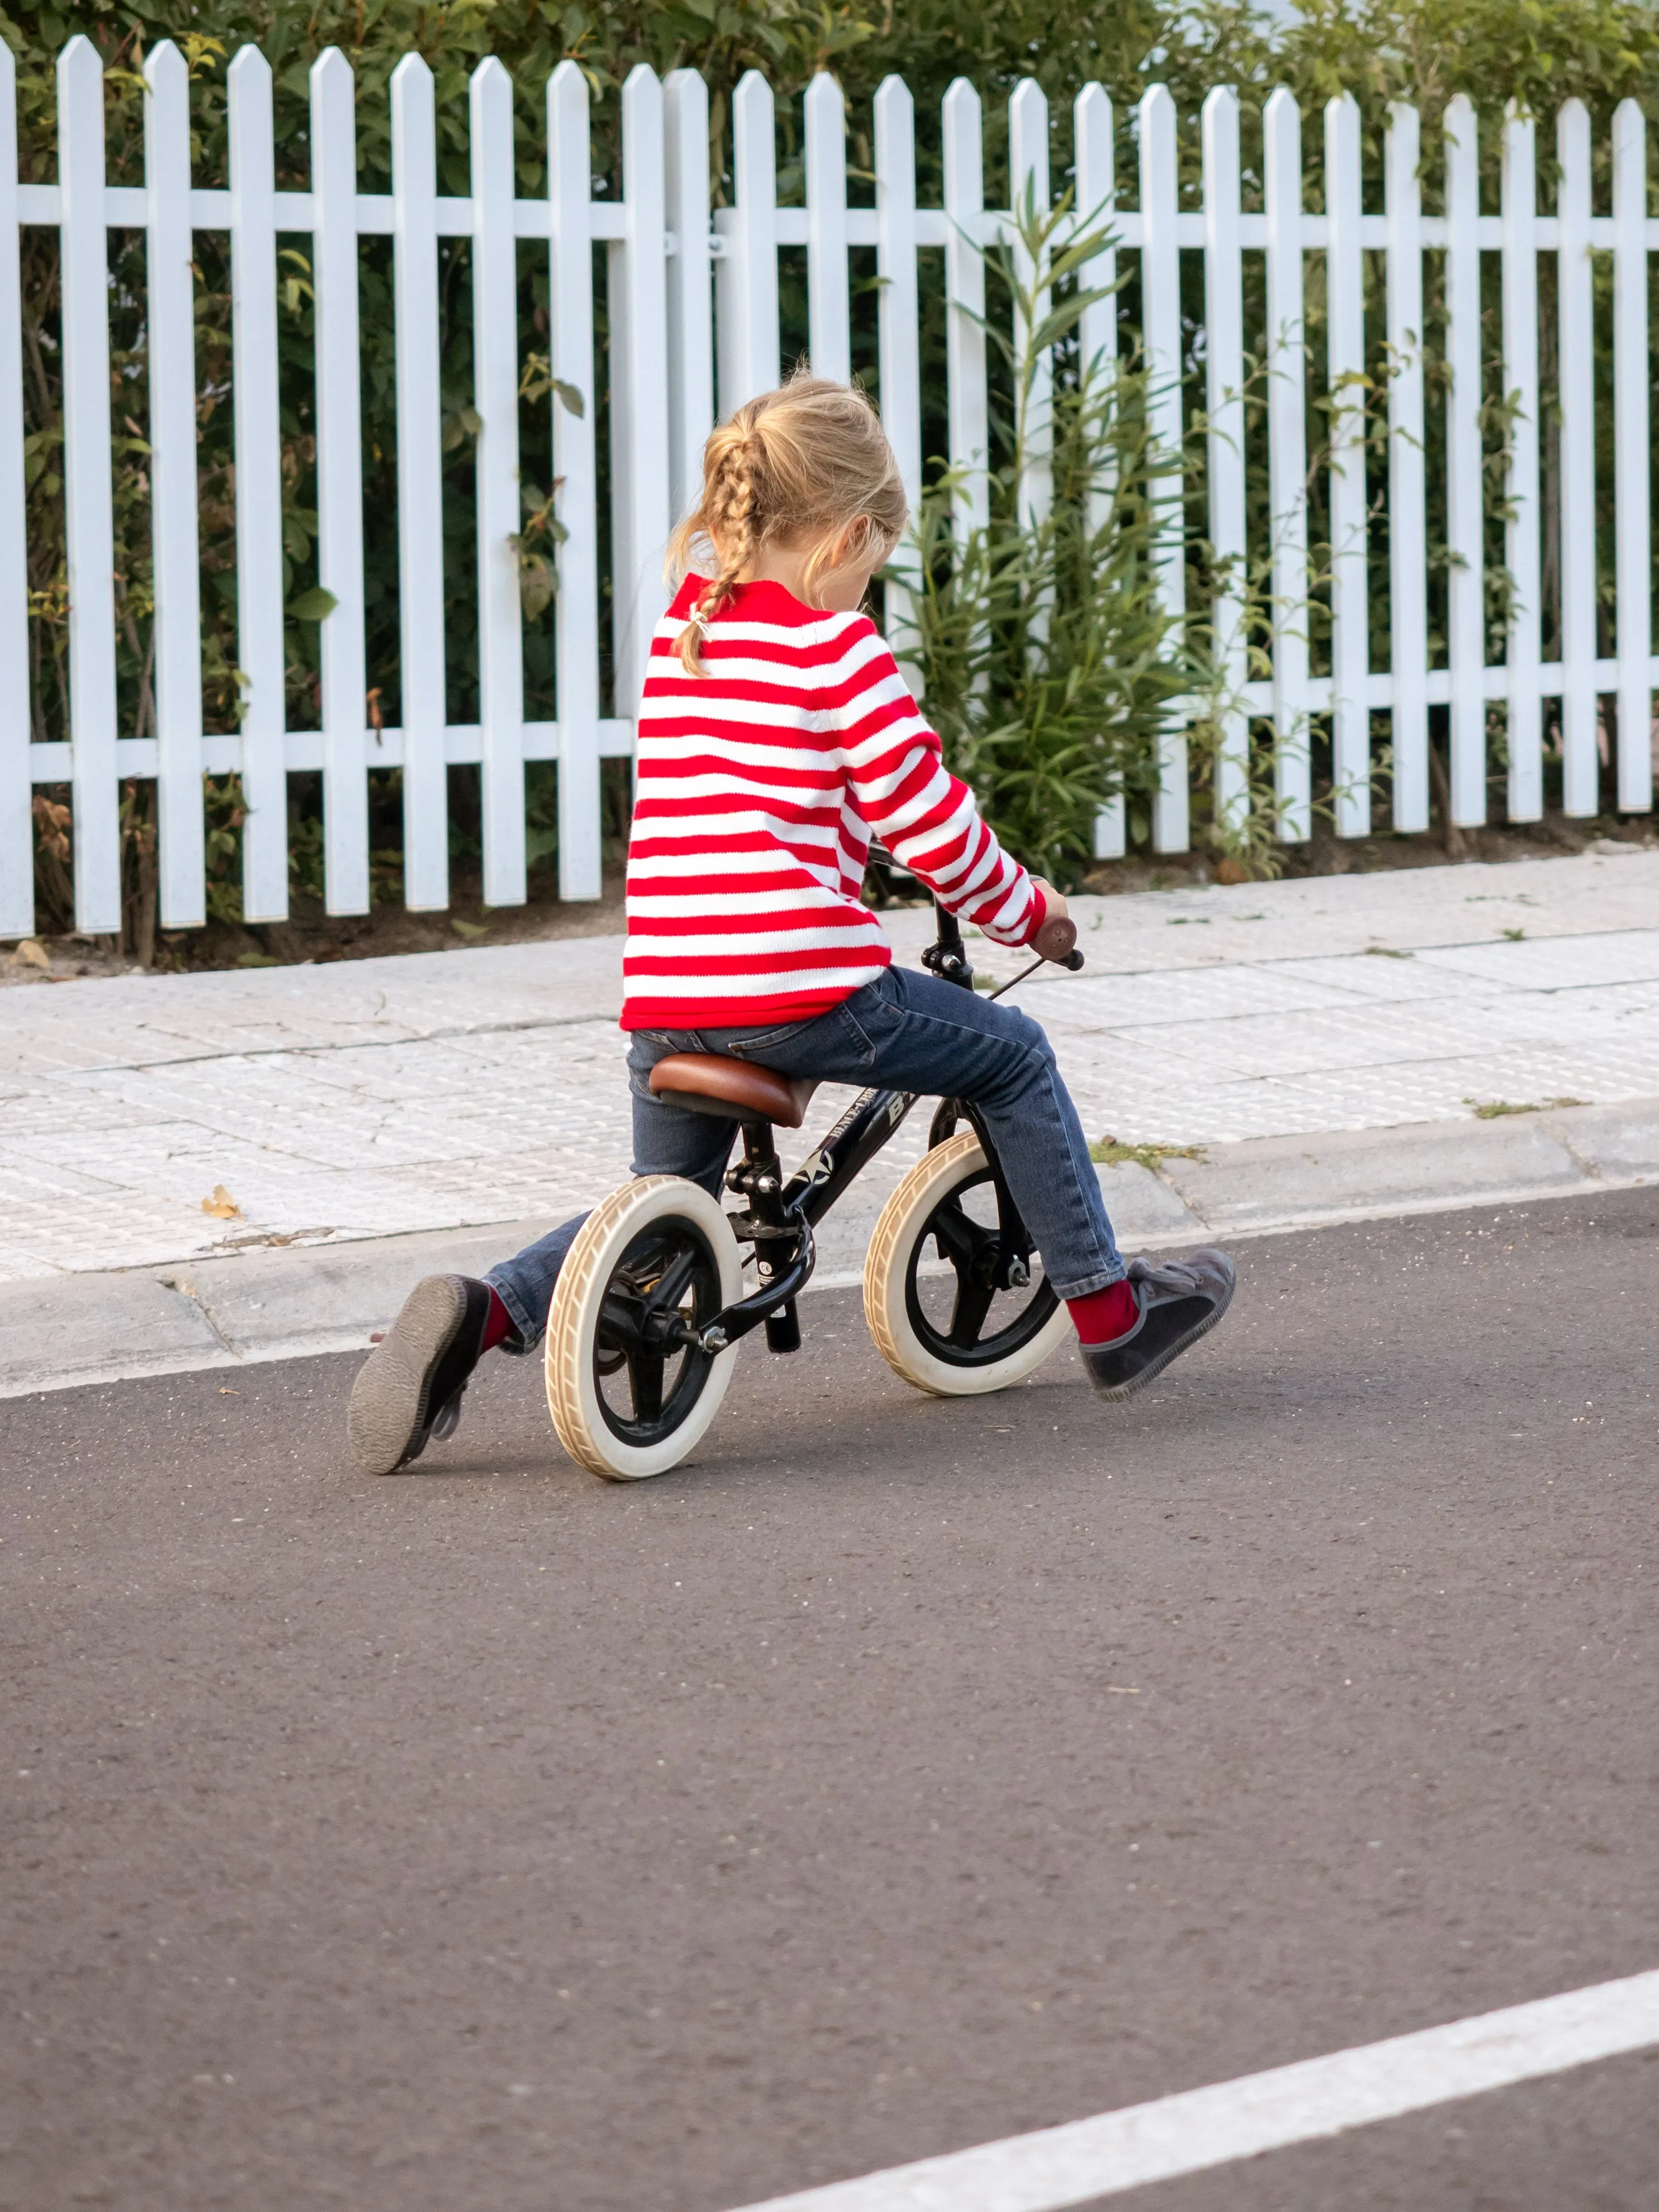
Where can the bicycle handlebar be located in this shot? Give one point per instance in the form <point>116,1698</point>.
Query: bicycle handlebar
<point>1057,941</point>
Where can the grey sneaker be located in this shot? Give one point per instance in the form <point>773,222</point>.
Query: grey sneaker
<point>1179,1301</point>
<point>409,1388</point>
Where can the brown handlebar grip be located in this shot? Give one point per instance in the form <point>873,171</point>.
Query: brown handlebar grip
<point>1055,938</point>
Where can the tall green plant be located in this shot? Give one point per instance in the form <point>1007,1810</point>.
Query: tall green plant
<point>1047,661</point>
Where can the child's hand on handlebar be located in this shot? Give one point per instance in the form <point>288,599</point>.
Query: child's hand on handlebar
<point>1056,939</point>
<point>1052,900</point>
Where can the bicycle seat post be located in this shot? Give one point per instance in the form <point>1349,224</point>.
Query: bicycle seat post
<point>758,1177</point>
<point>947,956</point>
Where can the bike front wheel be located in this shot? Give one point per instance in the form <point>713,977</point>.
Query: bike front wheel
<point>939,1294</point>
<point>630,1397</point>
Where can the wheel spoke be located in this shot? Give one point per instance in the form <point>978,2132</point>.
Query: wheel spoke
<point>960,1240</point>
<point>670,1286</point>
<point>645,1378</point>
<point>620,1320</point>
<point>658,1287</point>
<point>974,1297</point>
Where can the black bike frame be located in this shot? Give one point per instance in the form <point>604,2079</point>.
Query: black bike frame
<point>874,1116</point>
<point>807,1196</point>
<point>868,1124</point>
<point>846,1151</point>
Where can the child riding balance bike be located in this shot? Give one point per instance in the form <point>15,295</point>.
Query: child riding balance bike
<point>777,737</point>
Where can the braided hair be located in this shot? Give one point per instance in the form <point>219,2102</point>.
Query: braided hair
<point>802,466</point>
<point>731,497</point>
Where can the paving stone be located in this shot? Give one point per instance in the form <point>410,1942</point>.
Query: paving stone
<point>406,1096</point>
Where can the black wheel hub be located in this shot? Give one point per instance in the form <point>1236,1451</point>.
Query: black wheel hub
<point>995,1305</point>
<point>649,1370</point>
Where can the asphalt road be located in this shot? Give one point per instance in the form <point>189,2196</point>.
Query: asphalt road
<point>903,1775</point>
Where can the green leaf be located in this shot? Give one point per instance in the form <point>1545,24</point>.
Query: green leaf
<point>536,584</point>
<point>315,605</point>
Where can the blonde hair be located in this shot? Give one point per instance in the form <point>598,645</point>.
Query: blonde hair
<point>807,462</point>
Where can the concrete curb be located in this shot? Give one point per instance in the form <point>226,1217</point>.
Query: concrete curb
<point>60,1332</point>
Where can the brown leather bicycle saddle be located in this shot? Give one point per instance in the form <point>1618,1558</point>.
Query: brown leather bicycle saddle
<point>708,1082</point>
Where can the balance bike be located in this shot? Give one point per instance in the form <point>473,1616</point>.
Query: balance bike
<point>650,1306</point>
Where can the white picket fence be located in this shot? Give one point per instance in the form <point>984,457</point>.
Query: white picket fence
<point>686,293</point>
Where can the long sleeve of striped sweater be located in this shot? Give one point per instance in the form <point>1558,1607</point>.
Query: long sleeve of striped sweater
<point>760,786</point>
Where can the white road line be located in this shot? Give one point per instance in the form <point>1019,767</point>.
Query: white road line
<point>1200,2127</point>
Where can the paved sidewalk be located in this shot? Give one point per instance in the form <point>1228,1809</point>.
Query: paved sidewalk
<point>369,1119</point>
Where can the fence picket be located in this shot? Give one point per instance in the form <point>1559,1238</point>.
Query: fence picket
<point>1345,291</point>
<point>339,483</point>
<point>688,275</point>
<point>1631,368</point>
<point>747,275</point>
<point>170,322</point>
<point>260,648</point>
<point>828,313</point>
<point>1287,465</point>
<point>639,420</point>
<point>1027,184</point>
<point>1580,765</point>
<point>16,789</point>
<point>88,509</point>
<point>1466,525</point>
<point>1407,507</point>
<point>495,399</point>
<point>639,438</point>
<point>1224,369</point>
<point>965,291</point>
<point>420,485</point>
<point>577,602</point>
<point>1522,546</point>
<point>1160,287</point>
<point>899,308</point>
<point>1096,201</point>
<point>898,319</point>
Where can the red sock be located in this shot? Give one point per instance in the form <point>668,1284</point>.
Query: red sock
<point>1103,1314</point>
<point>499,1324</point>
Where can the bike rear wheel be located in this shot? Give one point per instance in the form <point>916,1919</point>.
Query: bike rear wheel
<point>628,1396</point>
<point>961,1329</point>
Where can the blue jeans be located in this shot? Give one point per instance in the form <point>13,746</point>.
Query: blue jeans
<point>905,1032</point>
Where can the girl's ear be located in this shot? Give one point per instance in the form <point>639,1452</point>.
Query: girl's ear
<point>836,553</point>
<point>848,549</point>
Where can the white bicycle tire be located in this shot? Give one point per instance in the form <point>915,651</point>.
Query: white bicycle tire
<point>573,1392</point>
<point>886,1268</point>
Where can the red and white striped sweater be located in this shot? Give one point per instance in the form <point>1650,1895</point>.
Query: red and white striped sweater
<point>760,786</point>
